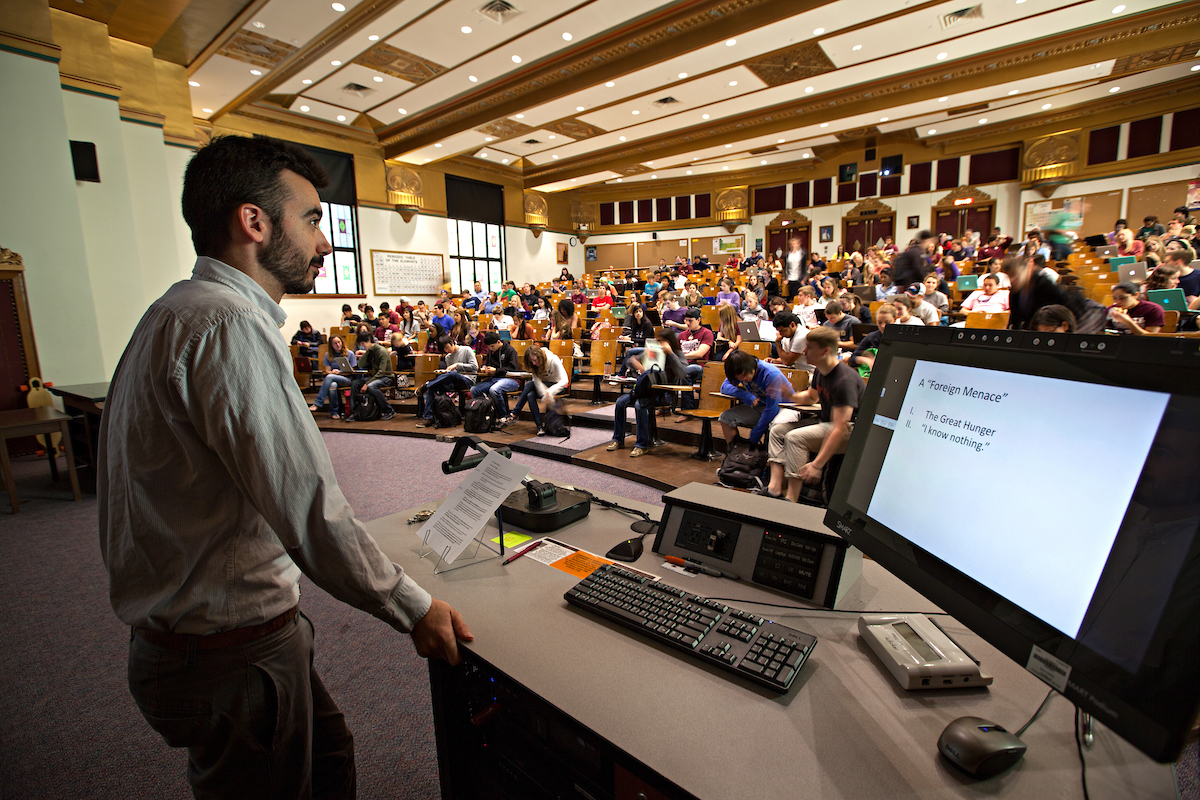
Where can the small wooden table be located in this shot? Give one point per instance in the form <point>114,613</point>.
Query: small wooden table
<point>32,422</point>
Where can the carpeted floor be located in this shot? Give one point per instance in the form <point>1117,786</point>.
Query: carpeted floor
<point>70,729</point>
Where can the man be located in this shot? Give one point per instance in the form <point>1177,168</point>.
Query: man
<point>1180,256</point>
<point>479,293</point>
<point>1150,227</point>
<point>839,389</point>
<point>835,318</point>
<point>1183,216</point>
<point>471,302</point>
<point>794,266</point>
<point>461,368</point>
<point>501,360</point>
<point>806,306</point>
<point>760,387</point>
<point>990,298</point>
<point>854,270</point>
<point>1053,319</point>
<point>1030,291</point>
<point>910,266</point>
<point>215,491</point>
<point>349,318</point>
<point>673,314</point>
<point>921,309</point>
<point>790,344</point>
<point>442,318</point>
<point>992,250</point>
<point>863,356</point>
<point>376,361</point>
<point>697,344</point>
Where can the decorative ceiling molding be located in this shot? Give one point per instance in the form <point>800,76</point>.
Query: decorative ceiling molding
<point>236,25</point>
<point>254,48</point>
<point>792,64</point>
<point>1156,58</point>
<point>854,134</point>
<point>399,63</point>
<point>632,169</point>
<point>576,129</point>
<point>976,197</point>
<point>873,208</point>
<point>506,129</point>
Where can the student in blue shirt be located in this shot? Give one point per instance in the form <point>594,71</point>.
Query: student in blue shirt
<point>442,318</point>
<point>760,387</point>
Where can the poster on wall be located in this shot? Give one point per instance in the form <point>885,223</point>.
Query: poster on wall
<point>589,253</point>
<point>1037,215</point>
<point>728,245</point>
<point>1193,197</point>
<point>399,273</point>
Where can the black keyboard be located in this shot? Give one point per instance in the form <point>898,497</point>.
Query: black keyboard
<point>745,644</point>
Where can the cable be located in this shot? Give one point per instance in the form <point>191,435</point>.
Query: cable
<point>616,507</point>
<point>1079,748</point>
<point>1025,727</point>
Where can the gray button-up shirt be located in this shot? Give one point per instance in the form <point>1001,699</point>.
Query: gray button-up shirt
<point>215,487</point>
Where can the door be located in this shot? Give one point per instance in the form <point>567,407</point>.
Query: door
<point>979,219</point>
<point>860,234</point>
<point>955,221</point>
<point>778,239</point>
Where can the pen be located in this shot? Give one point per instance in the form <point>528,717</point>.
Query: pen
<point>521,552</point>
<point>688,563</point>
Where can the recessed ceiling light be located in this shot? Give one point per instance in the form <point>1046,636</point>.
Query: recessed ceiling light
<point>341,118</point>
<point>256,72</point>
<point>206,110</point>
<point>724,167</point>
<point>983,120</point>
<point>818,31</point>
<point>943,99</point>
<point>1196,68</point>
<point>373,38</point>
<point>336,63</point>
<point>704,116</point>
<point>465,29</point>
<point>856,47</point>
<point>763,161</point>
<point>192,83</point>
<point>488,139</point>
<point>824,124</point>
<point>942,56</point>
<point>653,176</point>
<point>808,90</point>
<point>573,180</point>
<point>1020,1</point>
<point>649,163</point>
<point>439,144</point>
<point>733,83</point>
<point>620,179</point>
<point>1046,105</point>
<point>689,172</point>
<point>402,110</point>
<point>304,108</point>
<point>695,158</point>
<point>338,7</point>
<point>682,75</point>
<point>636,112</point>
<point>472,79</point>
<point>1011,92</point>
<point>551,136</point>
<point>883,119</point>
<point>729,145</point>
<point>483,155</point>
<point>567,37</point>
<point>1114,89</point>
<point>579,108</point>
<point>504,161</point>
<point>730,42</point>
<point>804,156</point>
<point>379,79</point>
<point>259,25</point>
<point>428,160</point>
<point>306,81</point>
<point>1118,9</point>
<point>610,84</point>
<point>931,132</point>
<point>781,141</point>
<point>622,138</point>
<point>516,59</point>
<point>519,116</point>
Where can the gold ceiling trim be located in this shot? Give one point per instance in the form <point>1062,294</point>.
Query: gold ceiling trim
<point>872,205</point>
<point>251,47</point>
<point>780,117</point>
<point>576,129</point>
<point>792,64</point>
<point>237,24</point>
<point>309,124</point>
<point>854,134</point>
<point>506,129</point>
<point>1156,58</point>
<point>399,63</point>
<point>976,197</point>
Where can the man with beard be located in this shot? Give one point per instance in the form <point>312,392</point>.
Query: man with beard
<point>216,491</point>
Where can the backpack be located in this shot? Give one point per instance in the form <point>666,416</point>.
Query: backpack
<point>366,409</point>
<point>743,465</point>
<point>558,423</point>
<point>480,415</point>
<point>445,412</point>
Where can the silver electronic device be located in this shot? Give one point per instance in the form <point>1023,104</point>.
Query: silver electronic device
<point>919,654</point>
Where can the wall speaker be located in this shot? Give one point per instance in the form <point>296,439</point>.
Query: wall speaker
<point>869,155</point>
<point>83,157</point>
<point>654,236</point>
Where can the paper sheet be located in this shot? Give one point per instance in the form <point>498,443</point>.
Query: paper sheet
<point>512,539</point>
<point>574,561</point>
<point>469,507</point>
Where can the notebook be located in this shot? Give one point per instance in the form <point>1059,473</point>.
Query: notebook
<point>1169,299</point>
<point>342,364</point>
<point>1106,252</point>
<point>1120,261</point>
<point>1135,272</point>
<point>968,283</point>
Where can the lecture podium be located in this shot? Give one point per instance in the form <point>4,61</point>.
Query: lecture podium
<point>552,702</point>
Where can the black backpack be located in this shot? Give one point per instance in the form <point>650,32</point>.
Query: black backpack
<point>480,415</point>
<point>445,412</point>
<point>743,465</point>
<point>558,422</point>
<point>366,409</point>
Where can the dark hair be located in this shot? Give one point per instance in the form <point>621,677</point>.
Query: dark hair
<point>775,299</point>
<point>1182,210</point>
<point>1053,316</point>
<point>834,307</point>
<point>1039,260</point>
<point>491,337</point>
<point>1127,287</point>
<point>305,324</point>
<point>785,318</point>
<point>346,307</point>
<point>233,170</point>
<point>444,340</point>
<point>667,335</point>
<point>1150,220</point>
<point>566,308</point>
<point>923,235</point>
<point>364,338</point>
<point>1122,222</point>
<point>739,363</point>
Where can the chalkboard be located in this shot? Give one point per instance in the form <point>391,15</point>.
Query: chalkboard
<point>397,273</point>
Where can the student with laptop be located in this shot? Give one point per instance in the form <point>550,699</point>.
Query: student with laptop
<point>339,364</point>
<point>1180,256</point>
<point>501,360</point>
<point>990,298</point>
<point>1130,315</point>
<point>791,341</point>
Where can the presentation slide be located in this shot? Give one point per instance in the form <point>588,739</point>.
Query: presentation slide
<point>1020,482</point>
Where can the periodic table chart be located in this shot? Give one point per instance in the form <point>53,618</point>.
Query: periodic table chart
<point>398,273</point>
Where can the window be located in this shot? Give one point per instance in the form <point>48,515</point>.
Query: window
<point>476,252</point>
<point>339,274</point>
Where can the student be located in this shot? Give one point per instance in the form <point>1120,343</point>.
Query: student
<point>934,297</point>
<point>349,318</point>
<point>637,329</point>
<point>751,310</point>
<point>790,344</point>
<point>442,318</point>
<point>673,314</point>
<point>921,309</point>
<point>334,379</point>
<point>308,339</point>
<point>728,337</point>
<point>835,318</point>
<point>1053,319</point>
<point>461,368</point>
<point>410,326</point>
<point>376,360</point>
<point>501,359</point>
<point>492,304</point>
<point>791,446</point>
<point>796,262</point>
<point>728,295</point>
<point>404,352</point>
<point>806,306</point>
<point>853,306</point>
<point>863,357</point>
<point>675,372</point>
<point>1130,315</point>
<point>990,298</point>
<point>548,378</point>
<point>904,307</point>
<point>760,387</point>
<point>696,343</point>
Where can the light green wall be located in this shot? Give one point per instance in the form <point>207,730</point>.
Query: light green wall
<point>154,210</point>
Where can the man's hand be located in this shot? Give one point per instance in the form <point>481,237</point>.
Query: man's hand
<point>438,632</point>
<point>810,474</point>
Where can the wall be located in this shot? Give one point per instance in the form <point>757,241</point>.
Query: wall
<point>533,260</point>
<point>1123,183</point>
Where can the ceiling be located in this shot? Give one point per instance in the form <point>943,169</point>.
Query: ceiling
<point>571,93</point>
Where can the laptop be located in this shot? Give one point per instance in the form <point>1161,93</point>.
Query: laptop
<point>861,329</point>
<point>342,364</point>
<point>968,283</point>
<point>505,335</point>
<point>1097,240</point>
<point>1169,299</point>
<point>1135,272</point>
<point>654,317</point>
<point>766,331</point>
<point>749,332</point>
<point>865,293</point>
<point>1120,261</point>
<point>1106,252</point>
<point>618,312</point>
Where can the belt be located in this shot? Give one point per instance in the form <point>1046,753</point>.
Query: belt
<point>216,641</point>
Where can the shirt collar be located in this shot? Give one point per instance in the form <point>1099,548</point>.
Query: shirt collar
<point>210,269</point>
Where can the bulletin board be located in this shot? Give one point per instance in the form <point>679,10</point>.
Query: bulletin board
<point>399,273</point>
<point>719,248</point>
<point>1104,211</point>
<point>1160,199</point>
<point>612,256</point>
<point>648,253</point>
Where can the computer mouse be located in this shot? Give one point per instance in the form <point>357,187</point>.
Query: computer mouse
<point>628,550</point>
<point>979,747</point>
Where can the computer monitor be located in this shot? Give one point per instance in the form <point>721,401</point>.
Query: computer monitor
<point>1042,489</point>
